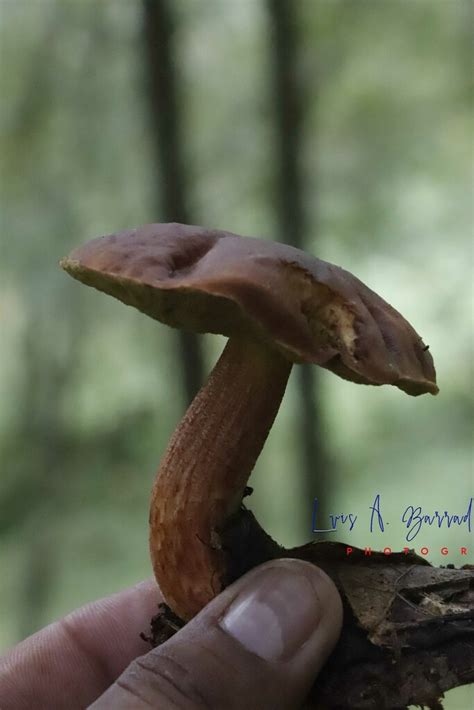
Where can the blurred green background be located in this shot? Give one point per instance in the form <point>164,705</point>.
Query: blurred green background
<point>90,391</point>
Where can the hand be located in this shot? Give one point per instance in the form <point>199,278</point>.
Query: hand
<point>258,645</point>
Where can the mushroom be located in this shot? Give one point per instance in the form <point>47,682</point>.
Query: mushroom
<point>278,306</point>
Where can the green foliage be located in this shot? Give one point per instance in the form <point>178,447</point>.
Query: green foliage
<point>89,390</point>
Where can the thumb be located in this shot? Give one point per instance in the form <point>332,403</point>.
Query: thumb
<point>259,644</point>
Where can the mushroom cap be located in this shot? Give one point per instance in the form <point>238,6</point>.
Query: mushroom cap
<point>210,281</point>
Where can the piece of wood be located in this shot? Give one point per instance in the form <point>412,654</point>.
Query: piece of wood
<point>408,633</point>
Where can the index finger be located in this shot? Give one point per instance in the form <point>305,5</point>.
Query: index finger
<point>74,660</point>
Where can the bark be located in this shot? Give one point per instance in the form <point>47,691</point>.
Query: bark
<point>165,115</point>
<point>408,632</point>
<point>289,204</point>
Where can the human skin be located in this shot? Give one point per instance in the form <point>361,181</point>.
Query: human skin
<point>259,644</point>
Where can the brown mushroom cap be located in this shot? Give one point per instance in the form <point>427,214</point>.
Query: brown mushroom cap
<point>210,281</point>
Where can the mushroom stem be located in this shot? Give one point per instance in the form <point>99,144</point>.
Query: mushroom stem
<point>204,471</point>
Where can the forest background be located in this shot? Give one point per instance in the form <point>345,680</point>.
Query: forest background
<point>342,126</point>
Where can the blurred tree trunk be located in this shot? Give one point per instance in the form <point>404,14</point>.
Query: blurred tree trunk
<point>165,115</point>
<point>39,499</point>
<point>289,201</point>
<point>38,422</point>
<point>39,579</point>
